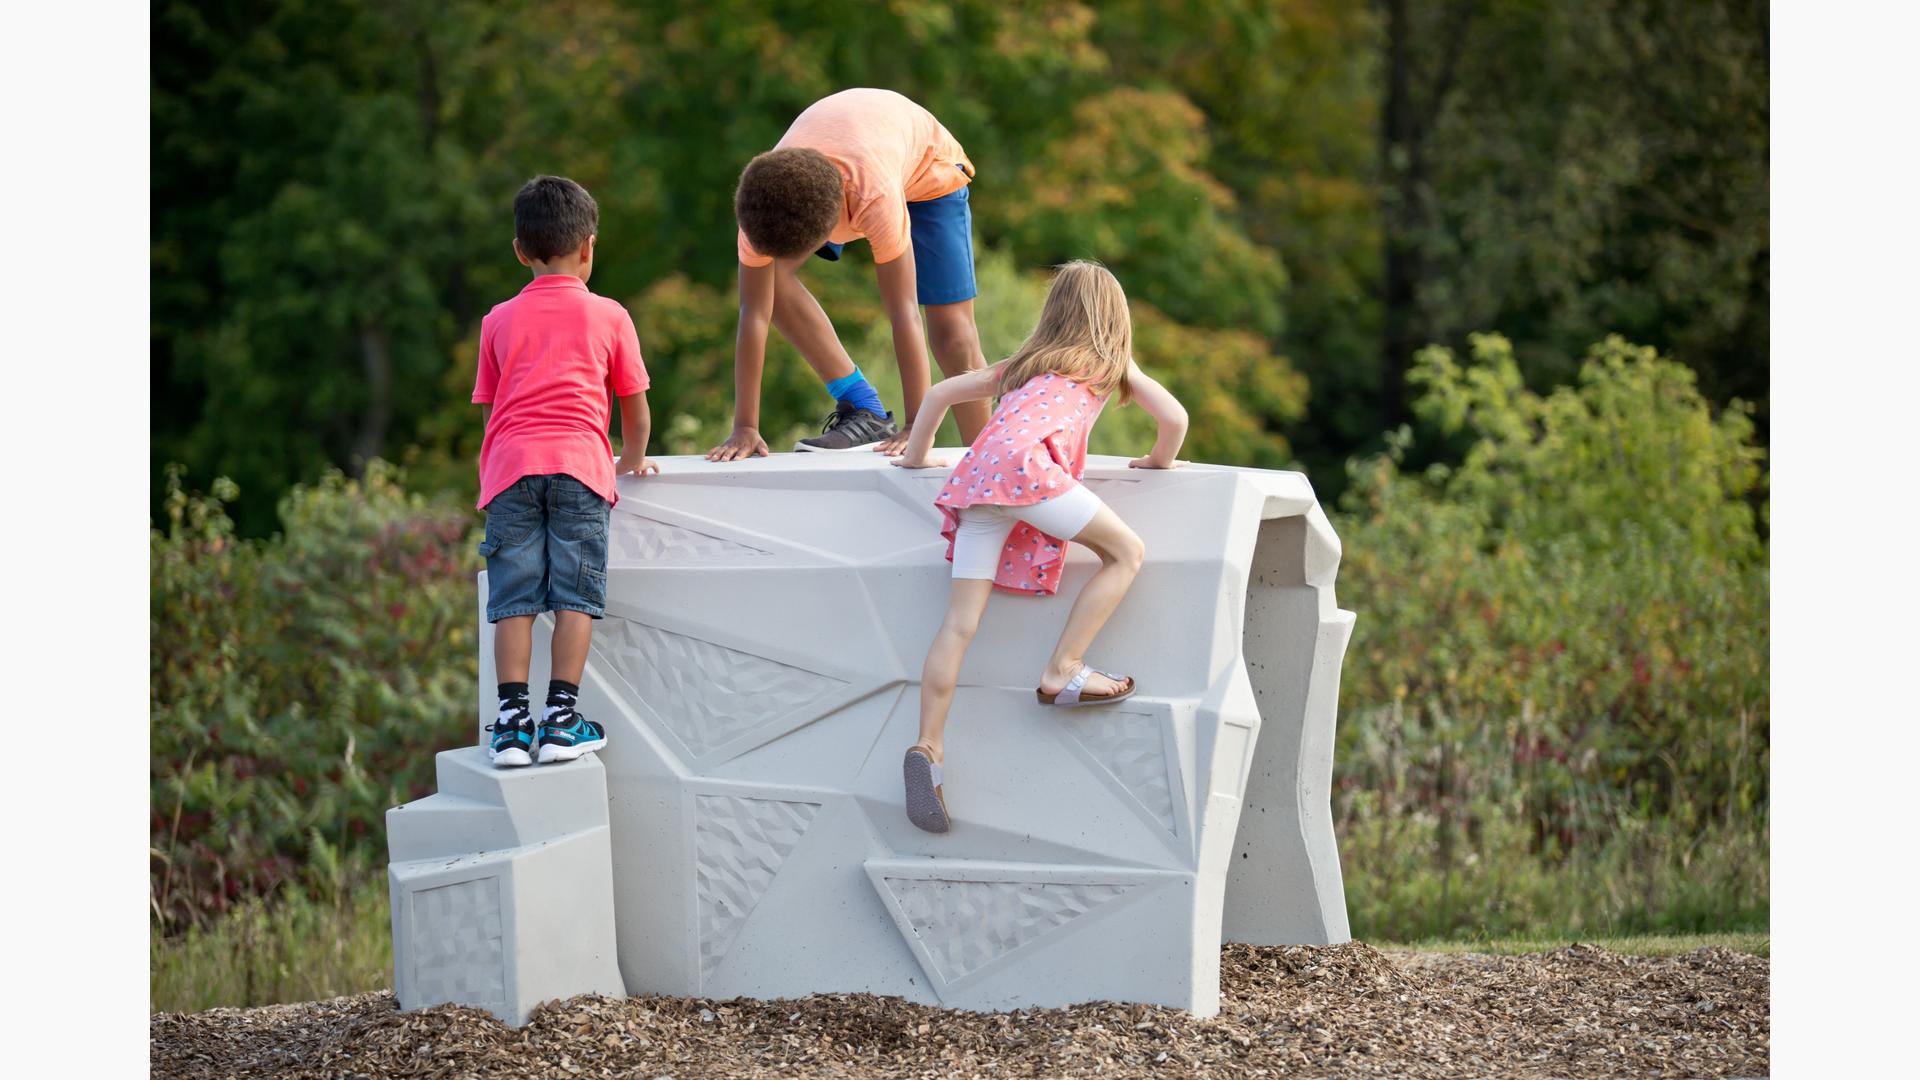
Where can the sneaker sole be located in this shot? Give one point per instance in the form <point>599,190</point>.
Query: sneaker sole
<point>511,758</point>
<point>549,754</point>
<point>803,448</point>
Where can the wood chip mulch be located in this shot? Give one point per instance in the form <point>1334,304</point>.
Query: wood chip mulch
<point>1344,1010</point>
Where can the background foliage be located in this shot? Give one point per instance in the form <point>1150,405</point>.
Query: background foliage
<point>1554,709</point>
<point>1336,183</point>
<point>300,685</point>
<point>1554,712</point>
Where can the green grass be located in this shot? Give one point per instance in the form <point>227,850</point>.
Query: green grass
<point>292,949</point>
<point>1759,944</point>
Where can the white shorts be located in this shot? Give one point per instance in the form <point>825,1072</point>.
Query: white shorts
<point>983,530</point>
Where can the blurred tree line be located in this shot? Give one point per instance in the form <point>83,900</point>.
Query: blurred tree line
<point>1299,195</point>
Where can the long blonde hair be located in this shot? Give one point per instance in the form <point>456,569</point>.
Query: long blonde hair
<point>1085,333</point>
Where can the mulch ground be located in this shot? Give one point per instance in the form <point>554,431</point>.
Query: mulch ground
<point>1344,1010</point>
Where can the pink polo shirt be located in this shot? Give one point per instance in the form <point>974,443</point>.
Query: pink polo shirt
<point>552,359</point>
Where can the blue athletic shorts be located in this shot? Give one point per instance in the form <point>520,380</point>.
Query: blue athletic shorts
<point>546,548</point>
<point>942,248</point>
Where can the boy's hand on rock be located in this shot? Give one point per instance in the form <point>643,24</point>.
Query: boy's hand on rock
<point>1153,463</point>
<point>745,442</point>
<point>894,444</point>
<point>641,467</point>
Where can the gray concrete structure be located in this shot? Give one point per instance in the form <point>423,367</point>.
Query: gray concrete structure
<point>502,887</point>
<point>757,674</point>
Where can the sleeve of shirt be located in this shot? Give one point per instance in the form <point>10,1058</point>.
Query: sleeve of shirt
<point>629,372</point>
<point>883,219</point>
<point>748,256</point>
<point>486,376</point>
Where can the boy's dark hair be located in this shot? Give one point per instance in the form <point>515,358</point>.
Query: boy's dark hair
<point>552,216</point>
<point>788,201</point>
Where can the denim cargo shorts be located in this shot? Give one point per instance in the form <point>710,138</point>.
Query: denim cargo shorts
<point>546,548</point>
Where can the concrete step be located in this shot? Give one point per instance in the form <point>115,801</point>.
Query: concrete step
<point>447,825</point>
<point>541,801</point>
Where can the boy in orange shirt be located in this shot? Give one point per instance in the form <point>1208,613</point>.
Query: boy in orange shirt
<point>860,163</point>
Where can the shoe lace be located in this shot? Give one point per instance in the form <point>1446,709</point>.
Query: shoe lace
<point>835,419</point>
<point>514,722</point>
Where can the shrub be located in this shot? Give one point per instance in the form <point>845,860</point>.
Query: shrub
<point>1562,641</point>
<point>300,684</point>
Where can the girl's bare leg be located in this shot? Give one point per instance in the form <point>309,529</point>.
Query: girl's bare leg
<point>1121,555</point>
<point>965,605</point>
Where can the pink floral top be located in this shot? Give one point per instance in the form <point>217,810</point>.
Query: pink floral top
<point>1034,448</point>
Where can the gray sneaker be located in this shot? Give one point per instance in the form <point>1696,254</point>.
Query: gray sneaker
<point>849,429</point>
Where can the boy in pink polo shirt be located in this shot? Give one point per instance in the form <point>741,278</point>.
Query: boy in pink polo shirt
<point>550,358</point>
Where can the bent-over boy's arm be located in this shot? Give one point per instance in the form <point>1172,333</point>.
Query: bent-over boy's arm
<point>899,294</point>
<point>1168,415</point>
<point>636,426</point>
<point>972,386</point>
<point>749,359</point>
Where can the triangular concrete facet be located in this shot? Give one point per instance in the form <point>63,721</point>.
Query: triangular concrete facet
<point>710,695</point>
<point>739,845</point>
<point>1131,747</point>
<point>965,925</point>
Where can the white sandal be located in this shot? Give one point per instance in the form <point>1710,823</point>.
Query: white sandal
<point>1071,696</point>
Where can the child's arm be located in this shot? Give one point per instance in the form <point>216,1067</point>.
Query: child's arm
<point>899,295</point>
<point>749,357</point>
<point>971,386</point>
<point>1168,414</point>
<point>636,425</point>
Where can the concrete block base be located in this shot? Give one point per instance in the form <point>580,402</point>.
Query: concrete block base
<point>502,887</point>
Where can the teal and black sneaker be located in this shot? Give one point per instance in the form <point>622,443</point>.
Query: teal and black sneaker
<point>512,743</point>
<point>565,735</point>
<point>513,736</point>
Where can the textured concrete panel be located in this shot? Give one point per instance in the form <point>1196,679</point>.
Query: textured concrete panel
<point>1132,748</point>
<point>739,845</point>
<point>965,925</point>
<point>718,694</point>
<point>459,953</point>
<point>757,673</point>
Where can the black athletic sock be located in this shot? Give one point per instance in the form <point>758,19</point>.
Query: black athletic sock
<point>561,695</point>
<point>514,705</point>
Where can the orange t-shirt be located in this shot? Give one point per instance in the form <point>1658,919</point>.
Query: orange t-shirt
<point>889,151</point>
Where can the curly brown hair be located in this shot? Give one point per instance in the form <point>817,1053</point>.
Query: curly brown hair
<point>788,201</point>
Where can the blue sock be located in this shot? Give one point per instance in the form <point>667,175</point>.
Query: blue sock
<point>855,390</point>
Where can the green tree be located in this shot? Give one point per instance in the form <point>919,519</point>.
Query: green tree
<point>1565,169</point>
